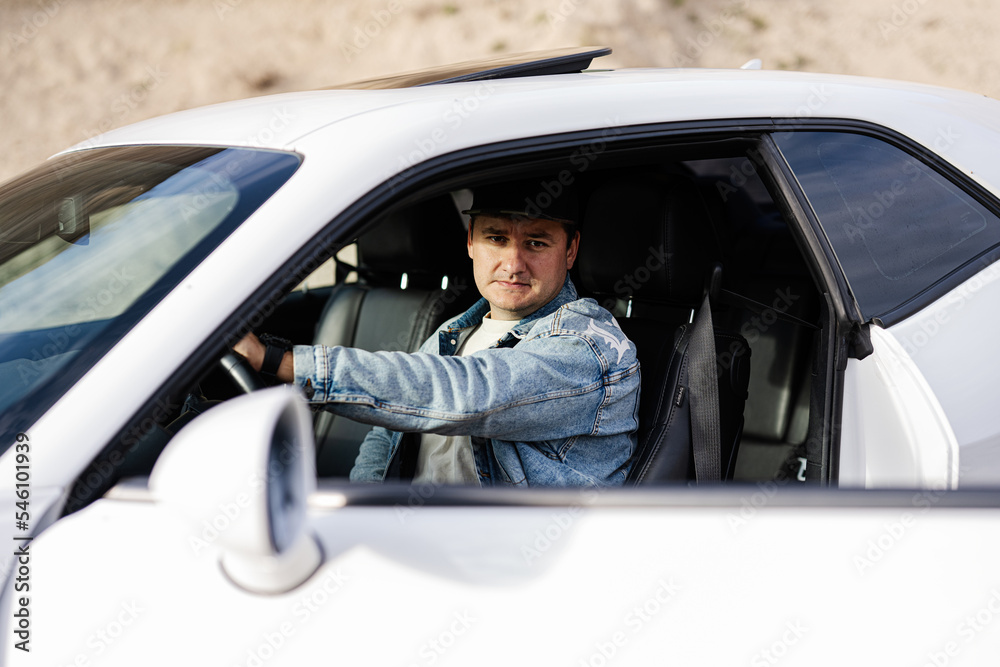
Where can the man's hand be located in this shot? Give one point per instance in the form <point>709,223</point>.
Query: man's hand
<point>252,350</point>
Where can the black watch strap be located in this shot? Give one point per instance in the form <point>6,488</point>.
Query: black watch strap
<point>274,352</point>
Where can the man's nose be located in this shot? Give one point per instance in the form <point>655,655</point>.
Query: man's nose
<point>513,259</point>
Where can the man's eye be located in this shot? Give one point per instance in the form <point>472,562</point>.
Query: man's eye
<point>496,239</point>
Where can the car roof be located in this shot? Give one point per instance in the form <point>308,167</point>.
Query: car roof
<point>958,125</point>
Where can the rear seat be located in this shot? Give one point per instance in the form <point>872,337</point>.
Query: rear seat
<point>764,264</point>
<point>777,410</point>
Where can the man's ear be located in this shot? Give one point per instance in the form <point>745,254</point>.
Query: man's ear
<point>571,251</point>
<point>468,240</point>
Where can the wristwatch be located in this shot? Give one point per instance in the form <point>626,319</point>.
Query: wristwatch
<point>274,352</point>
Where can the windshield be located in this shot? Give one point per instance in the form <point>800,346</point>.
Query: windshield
<point>91,241</point>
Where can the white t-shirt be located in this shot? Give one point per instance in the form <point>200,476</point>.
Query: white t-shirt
<point>447,459</point>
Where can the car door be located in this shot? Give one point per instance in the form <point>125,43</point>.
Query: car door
<point>437,575</point>
<point>915,239</point>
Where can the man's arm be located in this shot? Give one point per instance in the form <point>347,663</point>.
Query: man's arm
<point>252,350</point>
<point>373,457</point>
<point>545,388</point>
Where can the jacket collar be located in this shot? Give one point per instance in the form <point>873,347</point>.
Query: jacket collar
<point>475,315</point>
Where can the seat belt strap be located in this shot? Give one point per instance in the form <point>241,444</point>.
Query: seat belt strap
<point>703,382</point>
<point>403,464</point>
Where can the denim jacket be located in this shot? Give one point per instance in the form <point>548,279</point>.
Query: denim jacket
<point>554,402</point>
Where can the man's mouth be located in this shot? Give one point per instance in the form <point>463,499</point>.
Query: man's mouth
<point>512,284</point>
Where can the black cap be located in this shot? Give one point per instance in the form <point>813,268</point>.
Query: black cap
<point>546,197</point>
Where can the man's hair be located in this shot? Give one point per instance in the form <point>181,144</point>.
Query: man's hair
<point>568,225</point>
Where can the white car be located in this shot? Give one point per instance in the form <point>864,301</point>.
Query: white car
<point>845,230</point>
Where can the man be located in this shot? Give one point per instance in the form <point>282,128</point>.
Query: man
<point>530,386</point>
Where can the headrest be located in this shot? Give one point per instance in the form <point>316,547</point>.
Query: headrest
<point>425,238</point>
<point>647,237</point>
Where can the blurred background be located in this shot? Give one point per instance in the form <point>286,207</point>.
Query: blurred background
<point>71,69</point>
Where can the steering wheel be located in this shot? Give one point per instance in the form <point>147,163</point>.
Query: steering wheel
<point>241,373</point>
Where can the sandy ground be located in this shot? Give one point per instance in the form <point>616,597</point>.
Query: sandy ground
<point>70,69</point>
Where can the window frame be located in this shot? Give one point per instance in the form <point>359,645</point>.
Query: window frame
<point>446,172</point>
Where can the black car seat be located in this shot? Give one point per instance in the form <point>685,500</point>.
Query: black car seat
<point>649,240</point>
<point>413,274</point>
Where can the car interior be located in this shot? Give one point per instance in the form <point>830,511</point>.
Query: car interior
<point>661,227</point>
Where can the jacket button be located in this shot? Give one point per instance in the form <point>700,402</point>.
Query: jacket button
<point>454,342</point>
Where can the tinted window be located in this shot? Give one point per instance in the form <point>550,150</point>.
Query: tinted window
<point>896,225</point>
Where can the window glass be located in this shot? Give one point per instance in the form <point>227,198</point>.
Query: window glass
<point>91,241</point>
<point>896,225</point>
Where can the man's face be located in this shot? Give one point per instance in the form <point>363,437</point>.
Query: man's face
<point>520,265</point>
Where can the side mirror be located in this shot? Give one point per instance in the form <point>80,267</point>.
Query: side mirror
<point>252,460</point>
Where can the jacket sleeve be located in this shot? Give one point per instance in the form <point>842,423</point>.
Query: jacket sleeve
<point>548,387</point>
<point>374,456</point>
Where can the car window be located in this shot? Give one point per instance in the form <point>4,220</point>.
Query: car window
<point>91,241</point>
<point>325,274</point>
<point>896,225</point>
<point>762,263</point>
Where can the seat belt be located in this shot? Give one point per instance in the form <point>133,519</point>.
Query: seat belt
<point>703,384</point>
